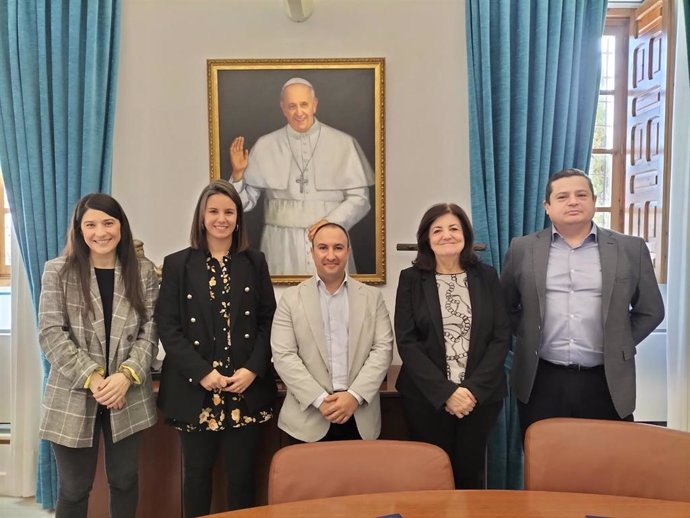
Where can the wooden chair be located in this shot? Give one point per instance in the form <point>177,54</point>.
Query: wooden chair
<point>340,468</point>
<point>608,457</point>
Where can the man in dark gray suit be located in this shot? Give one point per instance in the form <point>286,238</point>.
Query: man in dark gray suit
<point>580,299</point>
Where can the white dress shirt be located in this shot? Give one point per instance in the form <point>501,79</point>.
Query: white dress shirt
<point>335,312</point>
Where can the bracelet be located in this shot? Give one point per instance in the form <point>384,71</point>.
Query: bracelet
<point>127,373</point>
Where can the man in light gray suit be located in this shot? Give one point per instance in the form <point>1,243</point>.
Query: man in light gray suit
<point>580,299</point>
<point>332,345</point>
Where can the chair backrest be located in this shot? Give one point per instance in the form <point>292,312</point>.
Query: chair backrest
<point>608,457</point>
<point>340,468</point>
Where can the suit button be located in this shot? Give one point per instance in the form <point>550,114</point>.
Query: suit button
<point>130,338</point>
<point>190,380</point>
<point>247,313</point>
<point>65,328</point>
<point>189,296</point>
<point>192,320</point>
<point>246,289</point>
<point>196,342</point>
<point>246,335</point>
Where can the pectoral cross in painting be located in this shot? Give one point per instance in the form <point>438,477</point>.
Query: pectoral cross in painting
<point>302,181</point>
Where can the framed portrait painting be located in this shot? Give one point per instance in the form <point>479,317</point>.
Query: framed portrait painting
<point>302,140</point>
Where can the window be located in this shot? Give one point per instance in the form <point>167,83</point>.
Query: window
<point>629,166</point>
<point>607,166</point>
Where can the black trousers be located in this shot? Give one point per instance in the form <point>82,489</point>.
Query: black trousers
<point>76,469</point>
<point>200,451</point>
<point>464,440</point>
<point>561,391</point>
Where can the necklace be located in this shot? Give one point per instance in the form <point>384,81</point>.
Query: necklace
<point>302,180</point>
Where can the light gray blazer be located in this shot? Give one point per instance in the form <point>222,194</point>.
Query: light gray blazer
<point>74,344</point>
<point>300,356</point>
<point>631,307</point>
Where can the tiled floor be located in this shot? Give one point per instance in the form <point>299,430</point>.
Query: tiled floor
<point>13,507</point>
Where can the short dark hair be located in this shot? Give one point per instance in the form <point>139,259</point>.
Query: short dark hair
<point>426,260</point>
<point>197,236</point>
<point>78,252</point>
<point>331,224</point>
<point>566,173</point>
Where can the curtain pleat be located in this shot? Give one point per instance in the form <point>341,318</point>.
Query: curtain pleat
<point>58,76</point>
<point>533,73</point>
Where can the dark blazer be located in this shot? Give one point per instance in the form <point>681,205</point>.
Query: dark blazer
<point>631,307</point>
<point>185,325</point>
<point>419,335</point>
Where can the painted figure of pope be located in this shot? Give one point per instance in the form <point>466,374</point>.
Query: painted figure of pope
<point>309,173</point>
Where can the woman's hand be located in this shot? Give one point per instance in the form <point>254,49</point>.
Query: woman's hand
<point>214,380</point>
<point>461,402</point>
<point>95,382</point>
<point>240,380</point>
<point>111,392</point>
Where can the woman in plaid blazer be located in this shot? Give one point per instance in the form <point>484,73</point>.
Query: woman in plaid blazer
<point>96,329</point>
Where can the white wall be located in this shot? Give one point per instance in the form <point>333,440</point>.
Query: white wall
<point>5,357</point>
<point>5,409</point>
<point>650,363</point>
<point>161,155</point>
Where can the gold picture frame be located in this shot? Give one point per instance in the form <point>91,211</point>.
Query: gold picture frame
<point>244,99</point>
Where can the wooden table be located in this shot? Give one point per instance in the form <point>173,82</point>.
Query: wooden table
<point>471,504</point>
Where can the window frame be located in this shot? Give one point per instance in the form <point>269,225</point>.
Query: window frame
<point>617,25</point>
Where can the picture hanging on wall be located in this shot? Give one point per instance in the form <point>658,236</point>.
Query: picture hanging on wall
<point>302,140</point>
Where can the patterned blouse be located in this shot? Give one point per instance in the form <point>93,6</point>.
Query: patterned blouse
<point>222,410</point>
<point>456,312</point>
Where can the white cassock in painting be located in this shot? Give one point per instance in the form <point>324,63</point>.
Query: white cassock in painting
<point>309,173</point>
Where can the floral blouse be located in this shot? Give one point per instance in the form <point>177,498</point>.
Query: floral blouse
<point>222,410</point>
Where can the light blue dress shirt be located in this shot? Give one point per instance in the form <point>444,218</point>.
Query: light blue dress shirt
<point>573,331</point>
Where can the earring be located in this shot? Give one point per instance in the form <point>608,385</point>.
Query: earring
<point>237,227</point>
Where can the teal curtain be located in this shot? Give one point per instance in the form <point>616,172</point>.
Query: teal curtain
<point>533,71</point>
<point>58,72</point>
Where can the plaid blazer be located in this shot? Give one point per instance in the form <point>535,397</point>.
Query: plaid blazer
<point>74,344</point>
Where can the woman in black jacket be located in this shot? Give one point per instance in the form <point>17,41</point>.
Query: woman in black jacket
<point>453,335</point>
<point>214,318</point>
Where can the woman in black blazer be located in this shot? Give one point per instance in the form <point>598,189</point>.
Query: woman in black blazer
<point>214,318</point>
<point>453,335</point>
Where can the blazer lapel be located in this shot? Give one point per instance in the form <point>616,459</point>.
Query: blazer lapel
<point>433,305</point>
<point>608,255</point>
<point>239,269</point>
<point>540,261</point>
<point>311,305</point>
<point>197,285</point>
<point>356,306</point>
<point>98,321</point>
<point>473,286</point>
<point>121,309</point>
